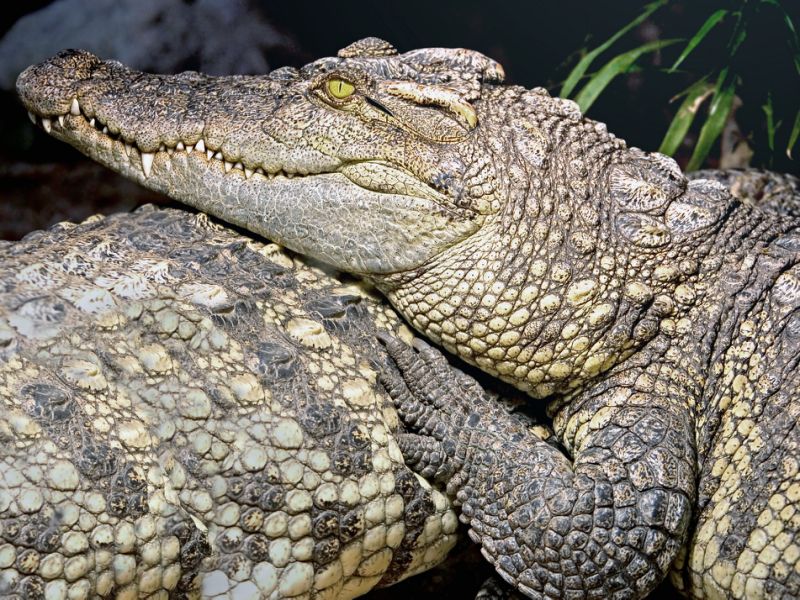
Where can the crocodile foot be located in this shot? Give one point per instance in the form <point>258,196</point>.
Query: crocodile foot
<point>527,503</point>
<point>442,412</point>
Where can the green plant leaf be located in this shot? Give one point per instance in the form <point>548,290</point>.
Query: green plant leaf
<point>794,135</point>
<point>770,115</point>
<point>718,113</point>
<point>619,64</point>
<point>583,65</point>
<point>683,118</point>
<point>738,40</point>
<point>739,31</point>
<point>710,23</point>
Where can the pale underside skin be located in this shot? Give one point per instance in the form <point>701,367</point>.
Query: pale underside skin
<point>660,316</point>
<point>330,199</point>
<point>184,411</point>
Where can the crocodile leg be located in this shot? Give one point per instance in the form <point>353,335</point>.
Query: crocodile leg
<point>607,524</point>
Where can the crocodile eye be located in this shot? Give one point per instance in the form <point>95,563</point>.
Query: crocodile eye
<point>340,89</point>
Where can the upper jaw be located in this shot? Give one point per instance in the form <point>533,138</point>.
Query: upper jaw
<point>86,101</point>
<point>92,136</point>
<point>106,111</point>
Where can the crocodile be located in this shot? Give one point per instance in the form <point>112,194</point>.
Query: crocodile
<point>657,315</point>
<point>187,412</point>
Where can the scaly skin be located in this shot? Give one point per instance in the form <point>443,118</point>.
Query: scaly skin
<point>187,412</point>
<point>777,192</point>
<point>660,316</point>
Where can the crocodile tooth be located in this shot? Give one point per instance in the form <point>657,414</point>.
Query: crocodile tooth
<point>290,175</point>
<point>200,146</point>
<point>180,146</point>
<point>170,151</point>
<point>46,124</point>
<point>238,165</point>
<point>147,163</point>
<point>105,130</point>
<point>210,154</point>
<point>75,108</point>
<point>32,117</point>
<point>228,166</point>
<point>218,156</point>
<point>248,173</point>
<point>91,122</point>
<point>189,148</point>
<point>61,120</point>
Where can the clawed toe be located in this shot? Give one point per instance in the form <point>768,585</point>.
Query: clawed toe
<point>426,455</point>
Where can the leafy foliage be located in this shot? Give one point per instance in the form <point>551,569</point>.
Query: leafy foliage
<point>714,83</point>
<point>619,64</point>
<point>694,97</point>
<point>581,68</point>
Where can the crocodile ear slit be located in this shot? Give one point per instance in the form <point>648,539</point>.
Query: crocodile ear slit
<point>436,95</point>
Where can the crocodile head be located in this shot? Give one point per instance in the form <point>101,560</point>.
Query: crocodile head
<point>371,161</point>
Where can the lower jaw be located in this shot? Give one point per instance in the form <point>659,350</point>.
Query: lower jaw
<point>310,214</point>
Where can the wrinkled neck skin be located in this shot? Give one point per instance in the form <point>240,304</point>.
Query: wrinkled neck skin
<point>581,268</point>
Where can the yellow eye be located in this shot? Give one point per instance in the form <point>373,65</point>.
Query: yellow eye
<point>340,89</point>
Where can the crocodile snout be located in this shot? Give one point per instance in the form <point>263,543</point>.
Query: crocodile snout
<point>47,88</point>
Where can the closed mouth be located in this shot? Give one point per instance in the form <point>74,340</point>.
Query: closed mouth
<point>198,146</point>
<point>377,176</point>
